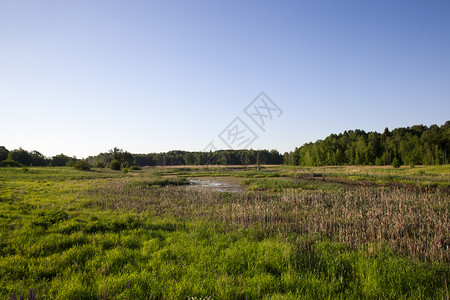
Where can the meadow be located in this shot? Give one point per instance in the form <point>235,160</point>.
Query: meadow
<point>295,233</point>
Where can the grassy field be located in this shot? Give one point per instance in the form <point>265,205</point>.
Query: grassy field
<point>423,177</point>
<point>420,176</point>
<point>68,234</point>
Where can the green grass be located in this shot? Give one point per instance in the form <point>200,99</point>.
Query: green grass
<point>275,185</point>
<point>102,234</point>
<point>278,185</point>
<point>219,172</point>
<point>420,176</point>
<point>140,259</point>
<point>158,182</point>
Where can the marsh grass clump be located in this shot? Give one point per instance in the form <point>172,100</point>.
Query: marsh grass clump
<point>275,185</point>
<point>158,182</point>
<point>280,184</point>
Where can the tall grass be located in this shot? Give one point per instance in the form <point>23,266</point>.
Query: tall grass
<point>415,224</point>
<point>281,184</point>
<point>68,234</point>
<point>420,176</point>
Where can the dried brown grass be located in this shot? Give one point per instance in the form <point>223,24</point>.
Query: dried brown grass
<point>412,223</point>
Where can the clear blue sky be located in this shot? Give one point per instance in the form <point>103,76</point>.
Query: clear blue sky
<point>80,77</point>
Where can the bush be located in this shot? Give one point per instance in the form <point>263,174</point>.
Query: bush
<point>10,163</point>
<point>71,162</point>
<point>135,168</point>
<point>99,164</point>
<point>378,161</point>
<point>114,165</point>
<point>125,165</point>
<point>82,165</point>
<point>396,163</point>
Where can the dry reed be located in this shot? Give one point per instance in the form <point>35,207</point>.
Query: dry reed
<point>412,223</point>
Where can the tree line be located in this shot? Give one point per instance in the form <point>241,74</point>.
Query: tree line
<point>21,157</point>
<point>416,145</point>
<point>242,157</point>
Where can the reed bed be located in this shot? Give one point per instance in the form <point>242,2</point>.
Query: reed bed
<point>411,223</point>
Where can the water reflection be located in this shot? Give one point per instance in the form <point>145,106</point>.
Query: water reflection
<point>220,184</point>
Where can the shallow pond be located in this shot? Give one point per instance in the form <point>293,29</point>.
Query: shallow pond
<point>220,184</point>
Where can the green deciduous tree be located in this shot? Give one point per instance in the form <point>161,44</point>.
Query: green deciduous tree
<point>3,153</point>
<point>418,144</point>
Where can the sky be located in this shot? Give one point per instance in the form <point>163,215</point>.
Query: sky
<point>81,77</point>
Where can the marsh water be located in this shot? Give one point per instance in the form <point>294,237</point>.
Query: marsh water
<point>220,184</point>
<point>233,184</point>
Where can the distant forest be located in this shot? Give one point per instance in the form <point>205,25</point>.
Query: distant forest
<point>178,157</point>
<point>414,145</point>
<point>21,157</point>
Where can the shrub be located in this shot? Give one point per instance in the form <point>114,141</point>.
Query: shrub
<point>82,165</point>
<point>125,165</point>
<point>10,163</point>
<point>71,162</point>
<point>135,168</point>
<point>99,164</point>
<point>114,165</point>
<point>378,161</point>
<point>396,163</point>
